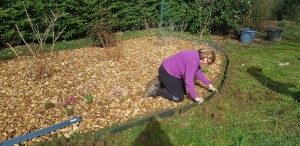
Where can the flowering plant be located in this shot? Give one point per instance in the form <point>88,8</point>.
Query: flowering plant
<point>68,104</point>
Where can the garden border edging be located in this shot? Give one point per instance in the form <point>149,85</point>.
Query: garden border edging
<point>40,132</point>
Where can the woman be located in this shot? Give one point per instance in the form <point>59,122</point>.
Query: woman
<point>177,72</point>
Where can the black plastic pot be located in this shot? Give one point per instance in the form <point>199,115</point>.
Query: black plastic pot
<point>274,34</point>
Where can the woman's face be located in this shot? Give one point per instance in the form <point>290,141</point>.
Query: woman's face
<point>205,61</point>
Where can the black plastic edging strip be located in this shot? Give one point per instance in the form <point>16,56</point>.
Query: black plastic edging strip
<point>29,136</point>
<point>164,114</point>
<point>187,107</point>
<point>171,112</point>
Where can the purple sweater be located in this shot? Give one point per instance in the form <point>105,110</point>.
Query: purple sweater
<point>185,64</point>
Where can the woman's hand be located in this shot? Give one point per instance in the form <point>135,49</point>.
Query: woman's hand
<point>199,100</point>
<point>212,88</point>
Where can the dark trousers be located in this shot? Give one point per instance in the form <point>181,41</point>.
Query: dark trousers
<point>172,88</point>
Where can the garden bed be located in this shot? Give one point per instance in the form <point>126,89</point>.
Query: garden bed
<point>116,77</point>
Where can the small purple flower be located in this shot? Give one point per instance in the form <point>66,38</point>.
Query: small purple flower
<point>72,99</point>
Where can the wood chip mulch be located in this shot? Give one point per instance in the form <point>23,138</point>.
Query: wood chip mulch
<point>116,77</point>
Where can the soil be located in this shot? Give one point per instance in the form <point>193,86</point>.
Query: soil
<point>116,77</point>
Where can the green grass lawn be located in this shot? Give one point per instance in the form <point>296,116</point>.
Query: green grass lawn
<point>259,104</point>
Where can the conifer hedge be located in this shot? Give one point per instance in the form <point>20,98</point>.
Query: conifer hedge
<point>79,15</point>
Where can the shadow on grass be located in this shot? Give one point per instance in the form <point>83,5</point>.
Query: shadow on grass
<point>153,135</point>
<point>276,86</point>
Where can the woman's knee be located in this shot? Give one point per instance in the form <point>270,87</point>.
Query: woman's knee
<point>178,98</point>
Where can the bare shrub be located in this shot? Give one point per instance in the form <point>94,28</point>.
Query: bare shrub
<point>102,32</point>
<point>37,68</point>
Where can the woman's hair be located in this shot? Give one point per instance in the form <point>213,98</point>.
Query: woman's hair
<point>207,53</point>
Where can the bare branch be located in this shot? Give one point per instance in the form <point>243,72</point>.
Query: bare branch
<point>50,26</point>
<point>34,29</point>
<point>25,41</point>
<point>54,39</point>
<point>12,49</point>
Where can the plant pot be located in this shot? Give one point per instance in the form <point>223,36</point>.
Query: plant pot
<point>274,34</point>
<point>247,35</point>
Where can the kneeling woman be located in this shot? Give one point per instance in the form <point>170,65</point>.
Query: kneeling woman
<point>177,72</point>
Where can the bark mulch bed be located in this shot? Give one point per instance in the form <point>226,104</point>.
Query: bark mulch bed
<point>116,77</point>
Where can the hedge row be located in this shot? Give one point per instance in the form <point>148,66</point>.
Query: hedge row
<point>79,15</point>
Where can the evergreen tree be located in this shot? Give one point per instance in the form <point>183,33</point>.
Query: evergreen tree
<point>13,14</point>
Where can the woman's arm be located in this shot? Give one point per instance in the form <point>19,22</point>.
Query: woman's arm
<point>200,76</point>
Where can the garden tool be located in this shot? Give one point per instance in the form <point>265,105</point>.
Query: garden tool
<point>279,63</point>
